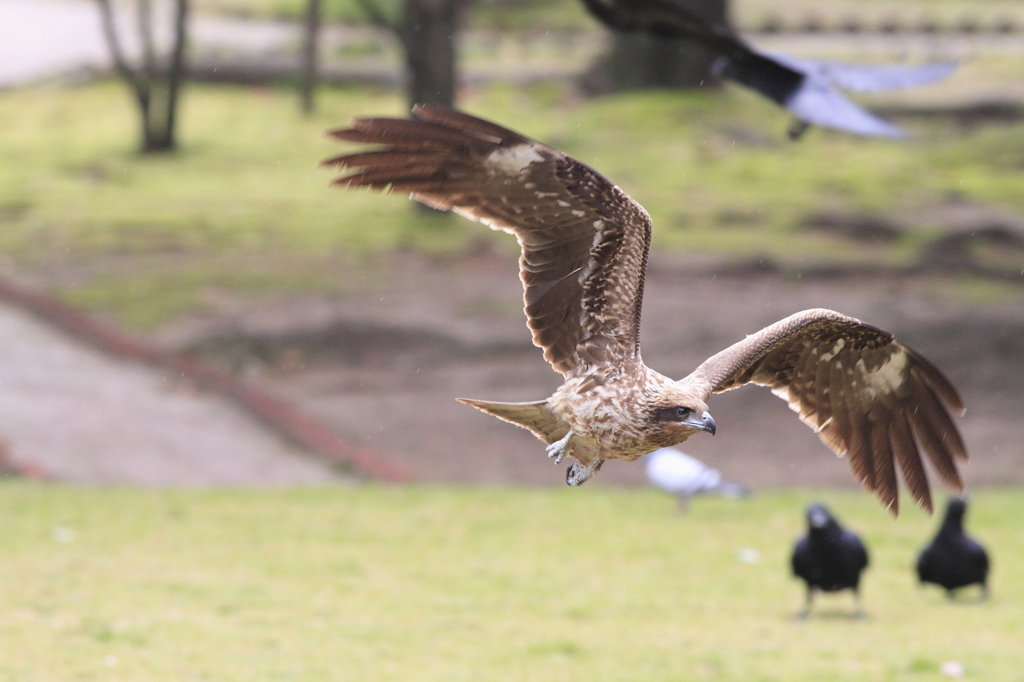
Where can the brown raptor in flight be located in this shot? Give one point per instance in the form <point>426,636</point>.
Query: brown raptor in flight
<point>584,253</point>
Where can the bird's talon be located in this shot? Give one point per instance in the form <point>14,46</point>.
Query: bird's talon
<point>577,475</point>
<point>559,448</point>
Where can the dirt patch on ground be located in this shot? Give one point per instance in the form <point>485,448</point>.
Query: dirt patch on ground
<point>383,366</point>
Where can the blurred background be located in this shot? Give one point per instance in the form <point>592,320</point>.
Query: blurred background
<point>188,311</point>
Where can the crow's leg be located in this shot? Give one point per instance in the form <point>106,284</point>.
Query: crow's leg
<point>808,600</point>
<point>796,129</point>
<point>577,474</point>
<point>859,613</point>
<point>559,448</point>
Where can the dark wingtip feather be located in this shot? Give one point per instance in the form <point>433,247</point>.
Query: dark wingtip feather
<point>939,455</point>
<point>892,504</point>
<point>904,448</point>
<point>470,125</point>
<point>885,468</point>
<point>937,381</point>
<point>340,161</point>
<point>352,134</point>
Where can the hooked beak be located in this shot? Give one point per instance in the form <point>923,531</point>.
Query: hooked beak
<point>706,423</point>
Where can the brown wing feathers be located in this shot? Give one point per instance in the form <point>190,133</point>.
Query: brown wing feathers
<point>418,157</point>
<point>584,242</point>
<point>867,395</point>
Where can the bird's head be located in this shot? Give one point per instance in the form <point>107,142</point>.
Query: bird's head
<point>955,511</point>
<point>674,415</point>
<point>818,516</point>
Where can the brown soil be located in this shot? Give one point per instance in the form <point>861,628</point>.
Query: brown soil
<point>383,366</point>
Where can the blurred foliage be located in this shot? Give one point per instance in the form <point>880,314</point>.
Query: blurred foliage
<point>714,170</point>
<point>440,583</point>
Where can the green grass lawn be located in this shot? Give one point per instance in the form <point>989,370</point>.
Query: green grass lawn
<point>439,583</point>
<point>244,206</point>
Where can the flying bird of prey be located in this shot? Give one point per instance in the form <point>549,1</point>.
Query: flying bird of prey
<point>953,559</point>
<point>584,255</point>
<point>829,558</point>
<point>807,89</point>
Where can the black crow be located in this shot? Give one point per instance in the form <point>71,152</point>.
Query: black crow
<point>954,560</point>
<point>807,89</point>
<point>828,558</point>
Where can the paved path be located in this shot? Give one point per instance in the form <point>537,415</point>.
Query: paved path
<point>45,38</point>
<point>70,413</point>
<point>40,38</point>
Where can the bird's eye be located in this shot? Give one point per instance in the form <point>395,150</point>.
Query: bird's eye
<point>673,414</point>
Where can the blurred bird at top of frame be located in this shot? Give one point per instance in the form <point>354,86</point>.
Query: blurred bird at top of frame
<point>677,473</point>
<point>584,247</point>
<point>953,559</point>
<point>829,558</point>
<point>809,90</point>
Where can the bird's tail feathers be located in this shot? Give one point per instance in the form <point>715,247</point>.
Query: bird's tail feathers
<point>535,416</point>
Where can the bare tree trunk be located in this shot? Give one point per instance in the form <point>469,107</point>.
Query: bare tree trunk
<point>310,55</point>
<point>154,87</point>
<point>175,74</point>
<point>428,31</point>
<point>641,60</point>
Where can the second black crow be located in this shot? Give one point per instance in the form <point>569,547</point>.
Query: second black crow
<point>953,559</point>
<point>829,558</point>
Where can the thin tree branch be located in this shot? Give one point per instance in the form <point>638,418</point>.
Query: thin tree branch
<point>139,86</point>
<point>176,69</point>
<point>309,55</point>
<point>145,19</point>
<point>114,43</point>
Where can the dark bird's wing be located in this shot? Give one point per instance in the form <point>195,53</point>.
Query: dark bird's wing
<point>863,392</point>
<point>802,561</point>
<point>857,553</point>
<point>668,19</point>
<point>804,88</point>
<point>584,241</point>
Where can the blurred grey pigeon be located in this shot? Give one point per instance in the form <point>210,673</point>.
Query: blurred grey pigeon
<point>807,89</point>
<point>817,101</point>
<point>677,473</point>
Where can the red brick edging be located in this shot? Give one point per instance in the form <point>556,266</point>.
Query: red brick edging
<point>280,415</point>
